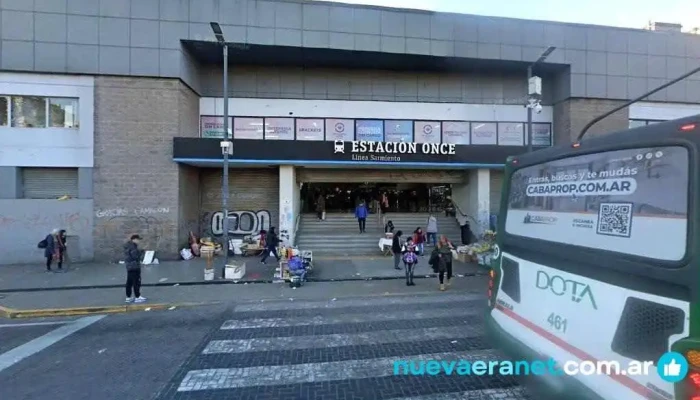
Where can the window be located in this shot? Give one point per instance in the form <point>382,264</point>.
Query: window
<point>610,201</point>
<point>28,112</point>
<point>49,183</point>
<point>310,129</point>
<point>279,128</point>
<point>63,112</point>
<point>39,112</point>
<point>4,104</point>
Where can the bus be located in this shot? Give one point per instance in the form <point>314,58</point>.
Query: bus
<point>596,261</point>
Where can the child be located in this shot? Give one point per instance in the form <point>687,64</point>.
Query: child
<point>409,260</point>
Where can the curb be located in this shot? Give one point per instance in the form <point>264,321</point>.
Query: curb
<point>226,282</point>
<point>12,313</point>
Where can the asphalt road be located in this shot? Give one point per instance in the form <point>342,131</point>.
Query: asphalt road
<point>291,350</point>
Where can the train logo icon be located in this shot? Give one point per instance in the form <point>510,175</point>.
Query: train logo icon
<point>339,147</point>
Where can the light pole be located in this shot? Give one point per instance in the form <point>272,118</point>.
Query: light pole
<point>226,145</point>
<point>534,88</point>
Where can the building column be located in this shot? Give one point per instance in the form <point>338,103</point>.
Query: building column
<point>12,183</point>
<point>289,203</point>
<point>479,188</point>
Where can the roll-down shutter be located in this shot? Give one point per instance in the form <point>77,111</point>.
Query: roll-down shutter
<point>49,183</point>
<point>496,185</point>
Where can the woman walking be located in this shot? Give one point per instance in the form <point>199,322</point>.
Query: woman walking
<point>396,249</point>
<point>444,253</point>
<point>409,260</point>
<point>271,243</point>
<point>321,207</point>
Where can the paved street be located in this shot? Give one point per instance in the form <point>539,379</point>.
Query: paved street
<point>274,349</point>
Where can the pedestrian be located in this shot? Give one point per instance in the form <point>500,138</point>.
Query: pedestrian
<point>396,248</point>
<point>389,227</point>
<point>132,259</point>
<point>361,215</point>
<point>444,251</point>
<point>432,230</point>
<point>409,260</point>
<point>321,207</point>
<point>419,239</point>
<point>271,243</point>
<point>384,203</point>
<point>55,249</point>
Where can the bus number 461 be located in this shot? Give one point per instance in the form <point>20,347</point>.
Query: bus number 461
<point>557,322</point>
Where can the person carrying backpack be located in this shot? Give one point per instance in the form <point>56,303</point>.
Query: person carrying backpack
<point>409,260</point>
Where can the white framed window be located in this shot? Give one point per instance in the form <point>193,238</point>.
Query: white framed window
<point>28,112</point>
<point>4,111</point>
<point>39,112</point>
<point>63,112</point>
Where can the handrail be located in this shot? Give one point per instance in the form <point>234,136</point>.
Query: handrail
<point>296,227</point>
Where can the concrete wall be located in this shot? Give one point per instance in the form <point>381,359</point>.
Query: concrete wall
<point>49,147</point>
<point>135,180</point>
<point>376,85</point>
<point>11,187</point>
<point>289,198</point>
<point>23,223</point>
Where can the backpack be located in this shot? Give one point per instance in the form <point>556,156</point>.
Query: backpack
<point>43,244</point>
<point>410,257</point>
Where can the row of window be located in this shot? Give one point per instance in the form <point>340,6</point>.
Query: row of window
<point>377,130</point>
<point>38,112</point>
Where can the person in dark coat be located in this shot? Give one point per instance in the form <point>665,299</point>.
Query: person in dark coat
<point>271,243</point>
<point>132,259</point>
<point>396,249</point>
<point>55,249</point>
<point>320,206</point>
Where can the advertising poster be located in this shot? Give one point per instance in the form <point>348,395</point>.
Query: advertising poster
<point>398,131</point>
<point>213,127</point>
<point>427,132</point>
<point>455,132</point>
<point>511,134</point>
<point>371,130</point>
<point>248,128</point>
<point>484,133</point>
<point>340,129</point>
<point>614,201</point>
<point>279,128</point>
<point>309,129</point>
<point>541,134</point>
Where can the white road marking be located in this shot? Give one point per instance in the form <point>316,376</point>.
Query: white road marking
<point>32,347</point>
<point>34,324</point>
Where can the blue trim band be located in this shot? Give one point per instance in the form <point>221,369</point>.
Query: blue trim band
<point>346,163</point>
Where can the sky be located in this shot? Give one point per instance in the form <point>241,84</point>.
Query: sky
<point>621,13</point>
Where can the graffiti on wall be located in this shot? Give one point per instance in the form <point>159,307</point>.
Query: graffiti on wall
<point>123,212</point>
<point>241,222</point>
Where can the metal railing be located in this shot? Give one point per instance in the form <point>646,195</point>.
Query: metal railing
<point>296,227</point>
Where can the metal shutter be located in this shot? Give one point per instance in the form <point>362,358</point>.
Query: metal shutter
<point>496,185</point>
<point>49,183</point>
<point>379,175</point>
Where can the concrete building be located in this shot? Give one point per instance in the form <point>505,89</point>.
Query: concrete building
<point>117,104</point>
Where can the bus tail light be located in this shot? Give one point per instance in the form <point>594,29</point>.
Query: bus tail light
<point>693,357</point>
<point>688,127</point>
<point>489,292</point>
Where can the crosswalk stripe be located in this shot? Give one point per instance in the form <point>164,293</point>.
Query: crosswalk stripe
<point>231,378</point>
<point>366,302</point>
<point>339,340</point>
<point>347,318</point>
<point>514,393</point>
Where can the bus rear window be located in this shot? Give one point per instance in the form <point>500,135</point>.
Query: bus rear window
<point>632,201</point>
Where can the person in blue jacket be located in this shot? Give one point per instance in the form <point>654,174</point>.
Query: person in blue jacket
<point>361,215</point>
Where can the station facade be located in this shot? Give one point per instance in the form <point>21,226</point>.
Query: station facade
<point>116,109</point>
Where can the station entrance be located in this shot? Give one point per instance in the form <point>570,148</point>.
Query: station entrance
<point>406,191</point>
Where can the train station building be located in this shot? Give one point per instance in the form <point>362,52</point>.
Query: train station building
<point>116,108</point>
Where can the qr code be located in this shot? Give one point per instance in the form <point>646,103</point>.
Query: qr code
<point>615,219</point>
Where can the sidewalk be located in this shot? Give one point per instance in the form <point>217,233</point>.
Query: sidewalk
<point>171,273</point>
<point>87,301</point>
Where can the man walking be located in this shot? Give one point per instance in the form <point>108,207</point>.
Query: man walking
<point>361,215</point>
<point>132,259</point>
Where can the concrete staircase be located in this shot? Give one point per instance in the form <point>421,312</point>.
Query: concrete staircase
<point>339,234</point>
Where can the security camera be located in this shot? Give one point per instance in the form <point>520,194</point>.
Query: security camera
<point>538,108</point>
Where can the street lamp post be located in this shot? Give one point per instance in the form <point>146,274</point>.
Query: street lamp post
<point>226,146</point>
<point>530,93</point>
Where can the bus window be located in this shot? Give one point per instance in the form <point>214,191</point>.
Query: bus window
<point>622,201</point>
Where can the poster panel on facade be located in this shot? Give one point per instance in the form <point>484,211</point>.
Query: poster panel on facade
<point>398,131</point>
<point>427,132</point>
<point>279,128</point>
<point>511,134</point>
<point>247,128</point>
<point>455,132</point>
<point>610,201</point>
<point>371,130</point>
<point>310,129</point>
<point>484,133</point>
<point>340,129</point>
<point>213,127</point>
<point>541,134</point>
